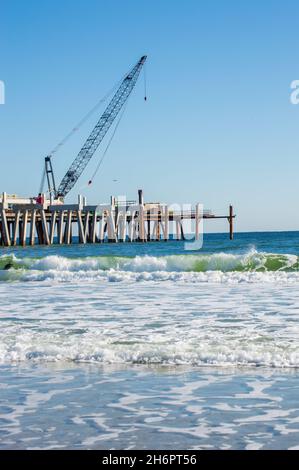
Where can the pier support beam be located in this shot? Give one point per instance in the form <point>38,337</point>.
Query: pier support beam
<point>68,228</point>
<point>60,227</point>
<point>231,222</point>
<point>141,228</point>
<point>148,215</point>
<point>16,225</point>
<point>4,229</point>
<point>52,226</point>
<point>86,226</point>
<point>45,227</point>
<point>81,231</point>
<point>118,221</point>
<point>94,227</point>
<point>32,227</point>
<point>24,228</point>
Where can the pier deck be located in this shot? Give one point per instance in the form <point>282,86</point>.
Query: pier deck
<point>23,222</point>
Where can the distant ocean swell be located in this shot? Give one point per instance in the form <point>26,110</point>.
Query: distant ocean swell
<point>253,266</point>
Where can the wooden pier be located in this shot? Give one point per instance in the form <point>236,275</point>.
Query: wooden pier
<point>24,222</point>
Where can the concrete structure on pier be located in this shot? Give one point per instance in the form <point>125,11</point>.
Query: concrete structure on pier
<point>24,222</point>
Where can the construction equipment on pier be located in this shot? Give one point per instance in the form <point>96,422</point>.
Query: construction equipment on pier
<point>48,220</point>
<point>95,138</point>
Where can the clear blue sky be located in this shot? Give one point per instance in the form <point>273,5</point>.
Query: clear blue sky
<point>218,126</point>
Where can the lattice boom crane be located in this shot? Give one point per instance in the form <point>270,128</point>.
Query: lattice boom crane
<point>98,133</point>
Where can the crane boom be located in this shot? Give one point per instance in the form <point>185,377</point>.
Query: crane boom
<point>101,128</point>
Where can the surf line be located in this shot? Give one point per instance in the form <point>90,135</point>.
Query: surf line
<point>115,460</point>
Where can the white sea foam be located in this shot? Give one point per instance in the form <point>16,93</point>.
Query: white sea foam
<point>221,309</point>
<point>219,267</point>
<point>95,347</point>
<point>115,275</point>
<point>197,324</point>
<point>251,261</point>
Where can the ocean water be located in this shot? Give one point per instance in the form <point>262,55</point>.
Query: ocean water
<point>151,346</point>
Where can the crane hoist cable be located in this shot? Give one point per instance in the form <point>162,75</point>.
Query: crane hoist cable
<point>84,119</point>
<point>108,145</point>
<point>144,82</point>
<point>116,127</point>
<point>75,129</point>
<point>114,132</point>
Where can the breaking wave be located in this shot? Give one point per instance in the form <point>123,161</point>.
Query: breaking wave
<point>90,348</point>
<point>140,323</point>
<point>253,266</point>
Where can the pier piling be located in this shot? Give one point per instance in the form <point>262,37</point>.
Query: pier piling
<point>26,222</point>
<point>231,222</point>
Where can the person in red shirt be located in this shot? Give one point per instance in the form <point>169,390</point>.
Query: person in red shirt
<point>39,199</point>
